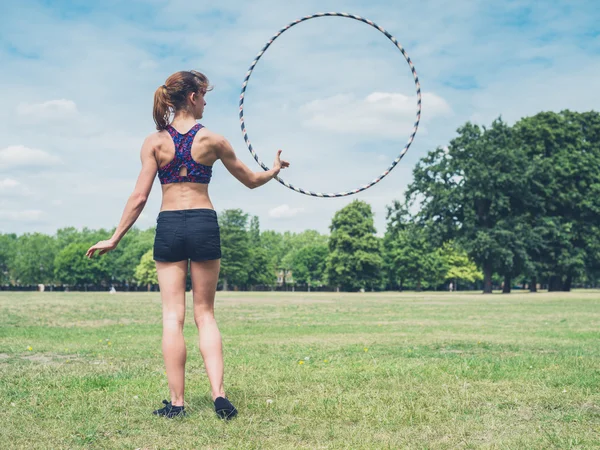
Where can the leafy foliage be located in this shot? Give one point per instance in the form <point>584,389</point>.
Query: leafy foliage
<point>145,271</point>
<point>354,260</point>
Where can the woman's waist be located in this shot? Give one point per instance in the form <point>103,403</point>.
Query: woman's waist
<point>195,217</point>
<point>181,198</point>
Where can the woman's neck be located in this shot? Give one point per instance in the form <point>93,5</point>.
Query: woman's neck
<point>183,119</point>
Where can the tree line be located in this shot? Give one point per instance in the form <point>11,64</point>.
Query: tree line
<point>351,258</point>
<point>500,206</point>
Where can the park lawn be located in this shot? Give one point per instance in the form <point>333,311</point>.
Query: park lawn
<point>318,370</point>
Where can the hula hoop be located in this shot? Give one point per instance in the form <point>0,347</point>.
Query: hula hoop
<point>398,158</point>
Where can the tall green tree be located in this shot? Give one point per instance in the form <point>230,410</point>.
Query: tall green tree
<point>475,192</point>
<point>235,247</point>
<point>354,260</point>
<point>564,154</point>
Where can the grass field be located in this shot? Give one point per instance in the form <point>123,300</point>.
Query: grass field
<point>319,370</point>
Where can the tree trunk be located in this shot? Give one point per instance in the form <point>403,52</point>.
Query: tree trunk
<point>225,284</point>
<point>555,283</point>
<point>567,285</point>
<point>487,278</point>
<point>507,284</point>
<point>533,285</point>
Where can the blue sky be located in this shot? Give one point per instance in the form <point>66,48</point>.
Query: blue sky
<point>78,78</point>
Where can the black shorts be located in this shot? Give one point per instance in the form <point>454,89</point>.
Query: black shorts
<point>187,234</point>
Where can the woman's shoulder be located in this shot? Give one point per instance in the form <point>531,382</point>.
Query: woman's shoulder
<point>156,137</point>
<point>210,137</point>
<point>207,133</point>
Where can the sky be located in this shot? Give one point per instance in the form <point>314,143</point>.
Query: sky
<point>78,79</point>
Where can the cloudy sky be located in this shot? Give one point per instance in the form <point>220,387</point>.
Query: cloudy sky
<point>78,79</point>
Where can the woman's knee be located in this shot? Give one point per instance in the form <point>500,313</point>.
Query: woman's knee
<point>203,318</point>
<point>173,319</point>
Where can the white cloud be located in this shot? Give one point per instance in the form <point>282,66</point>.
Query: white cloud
<point>50,110</point>
<point>21,156</point>
<point>29,215</point>
<point>8,183</point>
<point>284,212</point>
<point>380,113</point>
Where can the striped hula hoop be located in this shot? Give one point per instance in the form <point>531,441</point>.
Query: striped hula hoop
<point>398,158</point>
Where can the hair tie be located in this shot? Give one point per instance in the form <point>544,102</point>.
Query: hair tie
<point>164,85</point>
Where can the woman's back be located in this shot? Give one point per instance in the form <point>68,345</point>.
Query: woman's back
<point>185,186</point>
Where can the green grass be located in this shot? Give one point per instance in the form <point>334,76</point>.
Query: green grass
<point>379,371</point>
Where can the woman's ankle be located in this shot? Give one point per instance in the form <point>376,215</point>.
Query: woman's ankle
<point>218,394</point>
<point>177,401</point>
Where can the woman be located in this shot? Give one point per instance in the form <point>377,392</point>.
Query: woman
<point>182,153</point>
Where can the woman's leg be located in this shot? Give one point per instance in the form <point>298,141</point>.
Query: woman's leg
<point>205,275</point>
<point>171,280</point>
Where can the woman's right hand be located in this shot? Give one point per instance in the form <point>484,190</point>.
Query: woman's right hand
<point>102,247</point>
<point>279,163</point>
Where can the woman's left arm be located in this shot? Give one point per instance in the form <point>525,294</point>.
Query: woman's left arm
<point>137,200</point>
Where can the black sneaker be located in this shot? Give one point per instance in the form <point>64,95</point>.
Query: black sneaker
<point>170,411</point>
<point>224,408</point>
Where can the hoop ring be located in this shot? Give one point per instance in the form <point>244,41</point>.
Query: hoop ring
<point>398,158</point>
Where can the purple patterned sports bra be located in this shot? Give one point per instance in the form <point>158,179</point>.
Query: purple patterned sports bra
<point>196,172</point>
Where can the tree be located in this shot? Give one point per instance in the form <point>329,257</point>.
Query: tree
<point>34,259</point>
<point>309,265</point>
<point>145,271</point>
<point>8,248</point>
<point>354,260</point>
<point>292,244</point>
<point>261,270</point>
<point>272,241</point>
<point>564,154</point>
<point>460,267</point>
<point>124,260</point>
<point>235,247</point>
<point>475,192</point>
<point>73,268</point>
<point>410,258</point>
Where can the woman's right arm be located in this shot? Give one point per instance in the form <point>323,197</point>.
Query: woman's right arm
<point>240,171</point>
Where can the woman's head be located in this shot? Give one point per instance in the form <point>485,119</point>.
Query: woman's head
<point>183,91</point>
